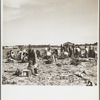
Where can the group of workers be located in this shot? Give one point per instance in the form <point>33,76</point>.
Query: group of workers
<point>25,56</point>
<point>76,51</point>
<point>30,55</point>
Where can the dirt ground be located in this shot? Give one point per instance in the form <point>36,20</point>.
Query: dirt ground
<point>63,73</point>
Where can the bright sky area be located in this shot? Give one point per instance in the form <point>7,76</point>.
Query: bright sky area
<point>49,21</point>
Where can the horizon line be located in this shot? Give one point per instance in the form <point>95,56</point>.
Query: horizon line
<point>50,44</point>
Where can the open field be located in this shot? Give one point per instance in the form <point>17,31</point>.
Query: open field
<point>82,72</point>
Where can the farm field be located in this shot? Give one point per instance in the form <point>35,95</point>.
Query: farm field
<point>65,72</point>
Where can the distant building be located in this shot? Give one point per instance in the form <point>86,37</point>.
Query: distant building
<point>68,44</point>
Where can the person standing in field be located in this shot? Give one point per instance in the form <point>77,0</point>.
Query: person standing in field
<point>70,52</point>
<point>61,47</point>
<point>79,51</point>
<point>20,54</point>
<point>73,46</point>
<point>90,51</point>
<point>38,54</point>
<point>86,52</point>
<point>48,53</point>
<point>32,61</point>
<point>93,52</point>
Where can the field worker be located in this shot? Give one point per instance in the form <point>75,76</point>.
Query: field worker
<point>59,53</point>
<point>61,47</point>
<point>38,53</point>
<point>17,55</point>
<point>79,51</point>
<point>67,48</point>
<point>56,53</point>
<point>20,53</point>
<point>49,47</point>
<point>12,54</point>
<point>54,57</point>
<point>8,54</point>
<point>75,52</point>
<point>86,52</point>
<point>70,52</point>
<point>25,58</point>
<point>48,54</point>
<point>90,52</point>
<point>73,46</point>
<point>49,51</point>
<point>66,54</point>
<point>32,61</point>
<point>93,52</point>
<point>62,54</point>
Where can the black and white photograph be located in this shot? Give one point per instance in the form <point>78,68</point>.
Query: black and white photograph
<point>50,43</point>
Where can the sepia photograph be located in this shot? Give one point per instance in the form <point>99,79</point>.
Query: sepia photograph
<point>50,42</point>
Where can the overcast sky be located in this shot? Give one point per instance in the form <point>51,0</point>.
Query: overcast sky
<point>49,21</point>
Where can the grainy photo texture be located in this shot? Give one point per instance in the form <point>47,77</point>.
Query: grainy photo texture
<point>50,42</point>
